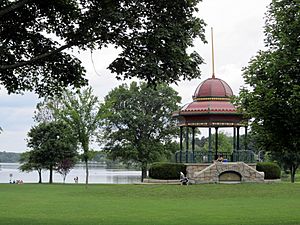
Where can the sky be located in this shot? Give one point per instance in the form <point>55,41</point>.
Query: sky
<point>238,35</point>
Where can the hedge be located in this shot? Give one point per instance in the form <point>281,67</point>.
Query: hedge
<point>166,171</point>
<point>271,170</point>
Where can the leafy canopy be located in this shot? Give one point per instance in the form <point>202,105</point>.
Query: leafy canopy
<point>81,112</point>
<point>37,39</point>
<point>137,122</point>
<point>50,143</point>
<point>274,77</point>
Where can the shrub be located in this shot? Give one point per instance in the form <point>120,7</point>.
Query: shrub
<point>166,171</point>
<point>271,170</point>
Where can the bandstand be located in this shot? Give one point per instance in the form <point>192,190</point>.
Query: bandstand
<point>211,108</point>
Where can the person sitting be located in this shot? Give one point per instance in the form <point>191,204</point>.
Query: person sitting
<point>220,158</point>
<point>183,179</point>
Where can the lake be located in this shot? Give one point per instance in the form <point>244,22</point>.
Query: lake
<point>98,174</point>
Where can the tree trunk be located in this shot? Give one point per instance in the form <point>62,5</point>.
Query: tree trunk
<point>40,176</point>
<point>293,172</point>
<point>51,175</point>
<point>144,171</point>
<point>86,171</point>
<point>85,147</point>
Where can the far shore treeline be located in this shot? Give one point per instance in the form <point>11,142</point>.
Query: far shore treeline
<point>9,157</point>
<point>99,157</point>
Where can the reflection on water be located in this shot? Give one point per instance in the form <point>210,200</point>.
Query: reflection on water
<point>97,174</point>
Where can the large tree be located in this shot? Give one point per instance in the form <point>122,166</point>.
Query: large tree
<point>273,99</point>
<point>51,143</point>
<point>153,37</point>
<point>137,122</point>
<point>81,112</point>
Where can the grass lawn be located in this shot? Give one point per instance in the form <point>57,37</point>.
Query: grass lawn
<point>150,204</point>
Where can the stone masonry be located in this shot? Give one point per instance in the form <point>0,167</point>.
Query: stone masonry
<point>210,173</point>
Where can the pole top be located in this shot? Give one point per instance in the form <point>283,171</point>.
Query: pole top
<point>212,53</point>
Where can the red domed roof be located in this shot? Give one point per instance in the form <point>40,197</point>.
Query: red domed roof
<point>211,106</point>
<point>213,87</point>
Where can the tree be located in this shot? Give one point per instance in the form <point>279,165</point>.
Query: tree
<point>65,166</point>
<point>29,163</point>
<point>200,143</point>
<point>51,143</point>
<point>44,113</point>
<point>81,112</point>
<point>153,37</point>
<point>137,122</point>
<point>253,142</point>
<point>273,100</point>
<point>224,143</point>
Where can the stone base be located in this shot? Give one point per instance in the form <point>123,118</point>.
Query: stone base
<point>223,172</point>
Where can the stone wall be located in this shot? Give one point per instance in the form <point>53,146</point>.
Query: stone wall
<point>209,173</point>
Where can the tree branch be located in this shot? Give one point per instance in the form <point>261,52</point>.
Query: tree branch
<point>44,55</point>
<point>13,7</point>
<point>34,59</point>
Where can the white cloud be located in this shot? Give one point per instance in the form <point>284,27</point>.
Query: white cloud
<point>13,141</point>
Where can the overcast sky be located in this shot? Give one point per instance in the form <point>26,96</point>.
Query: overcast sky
<point>238,35</point>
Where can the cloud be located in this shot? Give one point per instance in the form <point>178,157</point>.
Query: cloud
<point>14,119</point>
<point>13,141</point>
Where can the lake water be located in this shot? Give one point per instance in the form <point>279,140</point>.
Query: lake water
<point>98,174</point>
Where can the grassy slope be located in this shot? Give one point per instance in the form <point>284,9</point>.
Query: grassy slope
<point>150,204</point>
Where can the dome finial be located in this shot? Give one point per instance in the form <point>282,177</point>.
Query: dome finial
<point>212,53</point>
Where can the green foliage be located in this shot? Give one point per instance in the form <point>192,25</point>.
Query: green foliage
<point>157,53</point>
<point>153,38</point>
<point>170,149</point>
<point>150,204</point>
<point>81,112</point>
<point>252,142</point>
<point>166,171</point>
<point>200,143</point>
<point>53,141</point>
<point>137,122</point>
<point>273,100</point>
<point>9,157</point>
<point>271,170</point>
<point>225,142</point>
<point>29,162</point>
<point>31,58</point>
<point>50,144</point>
<point>26,161</point>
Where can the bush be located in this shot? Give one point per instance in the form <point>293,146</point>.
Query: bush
<point>271,170</point>
<point>166,171</point>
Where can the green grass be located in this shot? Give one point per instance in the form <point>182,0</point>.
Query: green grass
<point>150,204</point>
